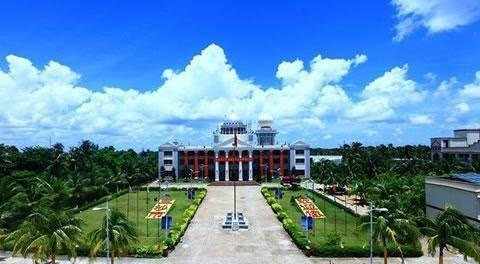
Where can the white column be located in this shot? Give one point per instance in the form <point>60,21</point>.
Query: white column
<point>240,170</point>
<point>227,171</point>
<point>216,166</point>
<point>250,166</point>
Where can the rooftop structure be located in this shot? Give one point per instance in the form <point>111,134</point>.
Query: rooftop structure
<point>464,145</point>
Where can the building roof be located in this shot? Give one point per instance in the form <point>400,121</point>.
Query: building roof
<point>469,177</point>
<point>456,181</point>
<point>467,130</point>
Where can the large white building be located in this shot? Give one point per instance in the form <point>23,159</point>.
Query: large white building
<point>464,145</point>
<point>237,153</point>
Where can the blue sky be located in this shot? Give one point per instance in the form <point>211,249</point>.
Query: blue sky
<point>404,71</point>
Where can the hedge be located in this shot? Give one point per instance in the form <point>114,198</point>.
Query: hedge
<point>321,250</point>
<point>178,231</point>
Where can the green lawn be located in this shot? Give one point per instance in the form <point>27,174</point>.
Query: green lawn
<point>136,206</point>
<point>337,220</point>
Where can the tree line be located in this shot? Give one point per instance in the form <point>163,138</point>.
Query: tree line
<point>38,177</point>
<point>394,178</point>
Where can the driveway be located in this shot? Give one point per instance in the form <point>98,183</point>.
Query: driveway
<point>264,242</point>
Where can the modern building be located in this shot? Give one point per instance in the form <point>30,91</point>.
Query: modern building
<point>236,153</point>
<point>462,191</point>
<point>464,145</point>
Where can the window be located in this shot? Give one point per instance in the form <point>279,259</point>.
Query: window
<point>167,162</point>
<point>445,144</point>
<point>168,153</point>
<point>299,151</point>
<point>299,161</point>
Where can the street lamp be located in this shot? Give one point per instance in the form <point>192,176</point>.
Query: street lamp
<point>371,209</point>
<point>107,212</point>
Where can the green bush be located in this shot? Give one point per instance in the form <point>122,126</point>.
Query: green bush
<point>333,239</point>
<point>277,208</point>
<point>271,200</point>
<point>323,250</point>
<point>179,229</point>
<point>145,251</point>
<point>282,215</point>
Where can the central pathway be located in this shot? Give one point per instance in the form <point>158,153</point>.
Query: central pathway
<point>264,242</point>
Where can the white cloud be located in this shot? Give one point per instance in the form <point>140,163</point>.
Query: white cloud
<point>382,96</point>
<point>434,15</point>
<point>40,102</point>
<point>462,108</point>
<point>445,87</point>
<point>471,90</point>
<point>327,137</point>
<point>420,119</point>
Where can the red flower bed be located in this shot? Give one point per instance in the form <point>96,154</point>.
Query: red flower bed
<point>309,208</point>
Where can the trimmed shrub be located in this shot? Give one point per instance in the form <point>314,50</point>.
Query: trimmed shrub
<point>282,215</point>
<point>277,208</point>
<point>362,251</point>
<point>271,200</point>
<point>145,251</point>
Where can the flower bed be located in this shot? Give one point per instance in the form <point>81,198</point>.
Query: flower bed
<point>309,208</point>
<point>161,208</point>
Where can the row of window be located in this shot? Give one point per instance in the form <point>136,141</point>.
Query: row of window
<point>297,161</point>
<point>233,130</point>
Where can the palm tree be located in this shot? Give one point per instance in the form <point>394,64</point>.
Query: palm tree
<point>451,228</point>
<point>120,234</point>
<point>388,231</point>
<point>44,233</point>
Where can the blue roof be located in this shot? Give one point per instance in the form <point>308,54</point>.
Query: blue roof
<point>470,177</point>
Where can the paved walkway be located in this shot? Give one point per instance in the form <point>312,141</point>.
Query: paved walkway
<point>264,242</point>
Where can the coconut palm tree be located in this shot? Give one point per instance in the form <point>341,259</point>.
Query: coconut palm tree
<point>388,231</point>
<point>451,229</point>
<point>44,233</point>
<point>116,233</point>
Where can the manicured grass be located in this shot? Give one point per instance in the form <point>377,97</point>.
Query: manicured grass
<point>337,220</point>
<point>136,206</point>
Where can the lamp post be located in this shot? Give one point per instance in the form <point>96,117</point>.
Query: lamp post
<point>371,209</point>
<point>107,212</point>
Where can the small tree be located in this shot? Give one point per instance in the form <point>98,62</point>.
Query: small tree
<point>120,233</point>
<point>44,233</point>
<point>387,231</point>
<point>451,228</point>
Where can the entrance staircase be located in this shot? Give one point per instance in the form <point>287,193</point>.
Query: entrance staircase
<point>237,183</point>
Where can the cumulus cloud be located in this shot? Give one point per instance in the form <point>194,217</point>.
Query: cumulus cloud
<point>434,15</point>
<point>382,96</point>
<point>472,90</point>
<point>462,108</point>
<point>420,119</point>
<point>38,100</point>
<point>445,87</point>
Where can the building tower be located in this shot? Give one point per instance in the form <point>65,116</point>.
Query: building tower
<point>265,133</point>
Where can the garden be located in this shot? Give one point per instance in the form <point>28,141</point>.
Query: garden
<point>337,232</point>
<point>138,206</point>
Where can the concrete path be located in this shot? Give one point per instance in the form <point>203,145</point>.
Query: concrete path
<point>264,242</point>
